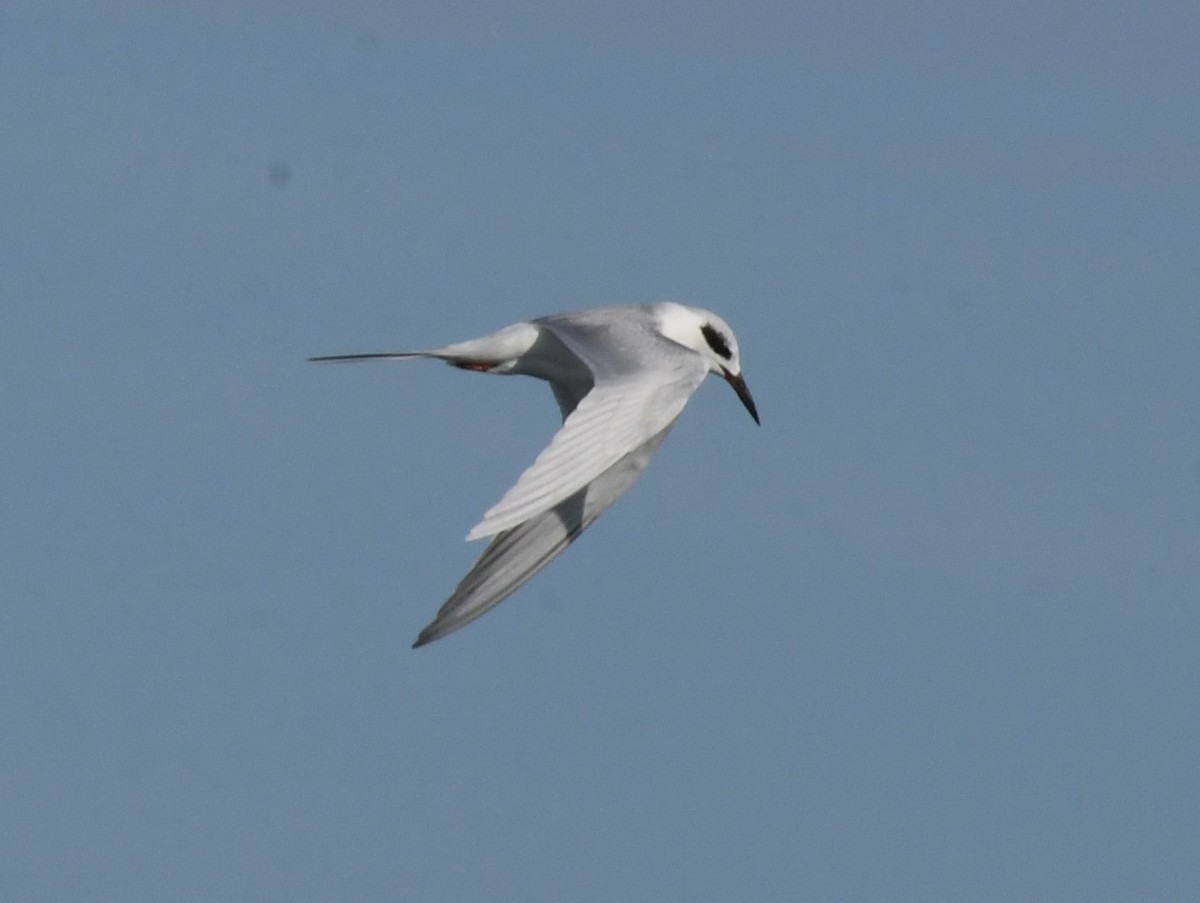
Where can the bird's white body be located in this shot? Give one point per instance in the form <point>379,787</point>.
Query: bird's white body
<point>621,376</point>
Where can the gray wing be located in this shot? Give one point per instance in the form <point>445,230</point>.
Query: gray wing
<point>515,555</point>
<point>640,384</point>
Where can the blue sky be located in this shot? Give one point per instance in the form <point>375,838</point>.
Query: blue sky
<point>929,633</point>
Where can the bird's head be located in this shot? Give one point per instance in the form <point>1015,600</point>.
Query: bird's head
<point>709,336</point>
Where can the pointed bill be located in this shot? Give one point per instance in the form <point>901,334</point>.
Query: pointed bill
<point>739,386</point>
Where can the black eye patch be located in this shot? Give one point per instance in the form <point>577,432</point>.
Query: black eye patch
<point>716,341</point>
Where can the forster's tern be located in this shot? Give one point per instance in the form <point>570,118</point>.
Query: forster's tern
<point>621,376</point>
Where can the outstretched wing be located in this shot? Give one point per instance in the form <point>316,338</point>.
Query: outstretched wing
<point>641,384</point>
<point>515,555</point>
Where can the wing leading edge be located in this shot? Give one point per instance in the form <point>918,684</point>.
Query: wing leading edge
<point>517,554</point>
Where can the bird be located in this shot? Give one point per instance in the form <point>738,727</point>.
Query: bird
<point>621,376</point>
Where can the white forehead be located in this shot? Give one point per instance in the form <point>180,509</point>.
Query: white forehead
<point>682,324</point>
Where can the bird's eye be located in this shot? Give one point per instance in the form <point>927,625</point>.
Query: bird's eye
<point>716,341</point>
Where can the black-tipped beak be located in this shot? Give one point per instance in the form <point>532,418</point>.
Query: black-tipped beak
<point>739,386</point>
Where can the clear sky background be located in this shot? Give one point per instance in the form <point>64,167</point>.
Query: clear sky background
<point>928,634</point>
